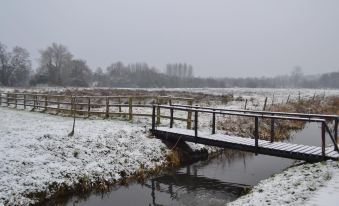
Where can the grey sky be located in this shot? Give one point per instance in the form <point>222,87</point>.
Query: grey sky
<point>218,37</point>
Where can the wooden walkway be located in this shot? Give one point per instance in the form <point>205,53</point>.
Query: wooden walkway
<point>255,144</point>
<point>279,149</point>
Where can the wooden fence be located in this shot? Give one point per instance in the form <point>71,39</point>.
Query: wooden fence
<point>86,106</point>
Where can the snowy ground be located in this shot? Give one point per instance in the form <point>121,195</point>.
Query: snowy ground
<point>36,151</point>
<point>308,184</point>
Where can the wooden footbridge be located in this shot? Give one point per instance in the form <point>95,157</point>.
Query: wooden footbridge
<point>253,144</point>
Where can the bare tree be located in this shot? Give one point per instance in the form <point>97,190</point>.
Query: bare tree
<point>21,67</point>
<point>15,67</point>
<point>53,62</point>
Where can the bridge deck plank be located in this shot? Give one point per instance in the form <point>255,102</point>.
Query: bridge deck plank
<point>275,148</point>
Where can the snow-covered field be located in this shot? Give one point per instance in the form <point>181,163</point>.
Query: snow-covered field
<point>308,184</point>
<point>35,151</point>
<point>255,96</point>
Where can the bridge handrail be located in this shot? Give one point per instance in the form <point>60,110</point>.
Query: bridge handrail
<point>196,110</point>
<point>240,114</point>
<point>327,116</point>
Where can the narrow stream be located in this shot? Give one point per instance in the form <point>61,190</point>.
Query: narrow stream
<point>211,182</point>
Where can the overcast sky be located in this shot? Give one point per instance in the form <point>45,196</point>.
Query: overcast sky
<point>218,37</point>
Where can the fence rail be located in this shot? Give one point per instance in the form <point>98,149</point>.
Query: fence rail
<point>86,106</point>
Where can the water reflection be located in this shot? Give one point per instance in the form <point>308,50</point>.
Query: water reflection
<point>210,182</point>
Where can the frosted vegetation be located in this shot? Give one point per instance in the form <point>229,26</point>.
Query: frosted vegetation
<point>38,153</point>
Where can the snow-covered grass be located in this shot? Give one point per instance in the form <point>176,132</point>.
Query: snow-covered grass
<point>36,152</point>
<point>305,184</point>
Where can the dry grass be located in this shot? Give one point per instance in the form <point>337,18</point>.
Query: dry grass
<point>244,126</point>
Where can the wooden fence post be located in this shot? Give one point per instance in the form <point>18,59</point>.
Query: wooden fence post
<point>35,99</point>
<point>130,109</point>
<point>15,101</point>
<point>299,97</point>
<point>45,106</point>
<point>72,107</point>
<point>24,101</point>
<point>107,107</point>
<point>265,104</point>
<point>153,118</point>
<point>288,99</point>
<point>196,123</point>
<point>6,99</point>
<point>119,102</point>
<point>0,99</point>
<point>256,131</point>
<point>171,118</point>
<point>158,110</point>
<point>272,130</point>
<point>88,107</point>
<point>189,115</point>
<point>213,122</point>
<point>245,103</point>
<point>323,140</point>
<point>58,99</point>
<point>336,129</point>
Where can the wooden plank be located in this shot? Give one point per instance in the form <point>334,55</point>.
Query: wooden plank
<point>277,145</point>
<point>282,147</point>
<point>292,147</point>
<point>298,148</point>
<point>301,149</point>
<point>266,144</point>
<point>242,140</point>
<point>307,149</point>
<point>317,152</point>
<point>314,151</point>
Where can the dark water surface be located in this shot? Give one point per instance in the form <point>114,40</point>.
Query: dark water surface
<point>210,182</point>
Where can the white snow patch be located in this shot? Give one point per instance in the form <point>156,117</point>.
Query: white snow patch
<point>296,186</point>
<point>35,151</point>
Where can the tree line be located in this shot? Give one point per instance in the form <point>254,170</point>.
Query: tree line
<point>58,67</point>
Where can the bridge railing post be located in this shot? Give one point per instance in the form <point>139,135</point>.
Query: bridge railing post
<point>272,130</point>
<point>213,122</point>
<point>256,131</point>
<point>171,118</point>
<point>196,123</point>
<point>336,129</point>
<point>153,118</point>
<point>323,139</point>
<point>189,115</point>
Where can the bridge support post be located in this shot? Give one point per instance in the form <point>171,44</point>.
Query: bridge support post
<point>323,139</point>
<point>213,122</point>
<point>272,129</point>
<point>256,131</point>
<point>171,119</point>
<point>196,123</point>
